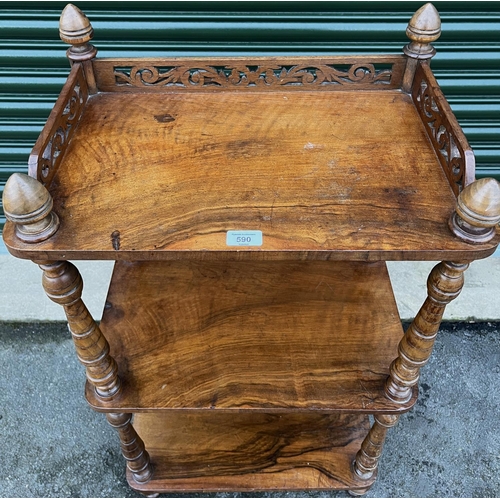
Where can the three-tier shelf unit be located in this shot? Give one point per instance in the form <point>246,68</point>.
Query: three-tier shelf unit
<point>250,338</point>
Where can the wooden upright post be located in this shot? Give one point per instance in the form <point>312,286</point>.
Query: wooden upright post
<point>76,30</point>
<point>476,216</point>
<point>63,284</point>
<point>366,462</point>
<point>424,27</point>
<point>444,284</point>
<point>132,446</point>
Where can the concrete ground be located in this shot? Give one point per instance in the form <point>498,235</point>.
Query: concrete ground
<point>53,445</point>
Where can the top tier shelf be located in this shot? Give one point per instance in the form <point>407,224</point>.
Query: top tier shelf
<point>330,159</point>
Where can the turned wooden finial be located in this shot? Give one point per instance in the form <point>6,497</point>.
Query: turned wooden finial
<point>75,29</point>
<point>424,27</point>
<point>28,204</point>
<point>478,211</point>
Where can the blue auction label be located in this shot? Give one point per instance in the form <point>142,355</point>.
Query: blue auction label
<point>244,238</point>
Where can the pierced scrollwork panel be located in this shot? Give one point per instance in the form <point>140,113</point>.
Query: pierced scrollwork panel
<point>50,147</point>
<point>248,76</point>
<point>453,151</point>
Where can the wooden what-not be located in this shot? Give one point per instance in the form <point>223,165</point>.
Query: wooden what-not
<point>257,367</point>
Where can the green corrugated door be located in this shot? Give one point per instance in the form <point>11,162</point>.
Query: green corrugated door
<point>34,67</point>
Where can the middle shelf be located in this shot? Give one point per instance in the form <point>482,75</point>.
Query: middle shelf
<point>272,336</point>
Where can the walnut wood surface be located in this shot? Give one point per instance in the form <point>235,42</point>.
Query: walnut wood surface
<point>276,336</point>
<point>211,451</point>
<point>324,175</point>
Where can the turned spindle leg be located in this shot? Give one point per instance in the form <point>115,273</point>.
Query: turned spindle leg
<point>132,447</point>
<point>475,220</point>
<point>444,284</point>
<point>63,284</point>
<point>366,462</point>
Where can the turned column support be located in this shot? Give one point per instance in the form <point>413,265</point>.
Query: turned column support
<point>444,284</point>
<point>366,462</point>
<point>63,284</point>
<point>424,27</point>
<point>132,446</point>
<point>28,204</point>
<point>76,30</point>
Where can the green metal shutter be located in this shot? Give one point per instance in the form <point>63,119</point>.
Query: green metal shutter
<point>34,67</point>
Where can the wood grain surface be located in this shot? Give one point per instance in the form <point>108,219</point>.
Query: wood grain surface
<point>211,451</point>
<point>324,175</point>
<point>273,336</point>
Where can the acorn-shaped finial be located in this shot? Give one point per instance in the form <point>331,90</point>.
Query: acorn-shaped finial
<point>75,29</point>
<point>424,27</point>
<point>28,204</point>
<point>478,211</point>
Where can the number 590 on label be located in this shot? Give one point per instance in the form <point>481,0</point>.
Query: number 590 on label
<point>244,238</point>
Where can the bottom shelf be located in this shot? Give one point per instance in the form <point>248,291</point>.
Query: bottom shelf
<point>211,451</point>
